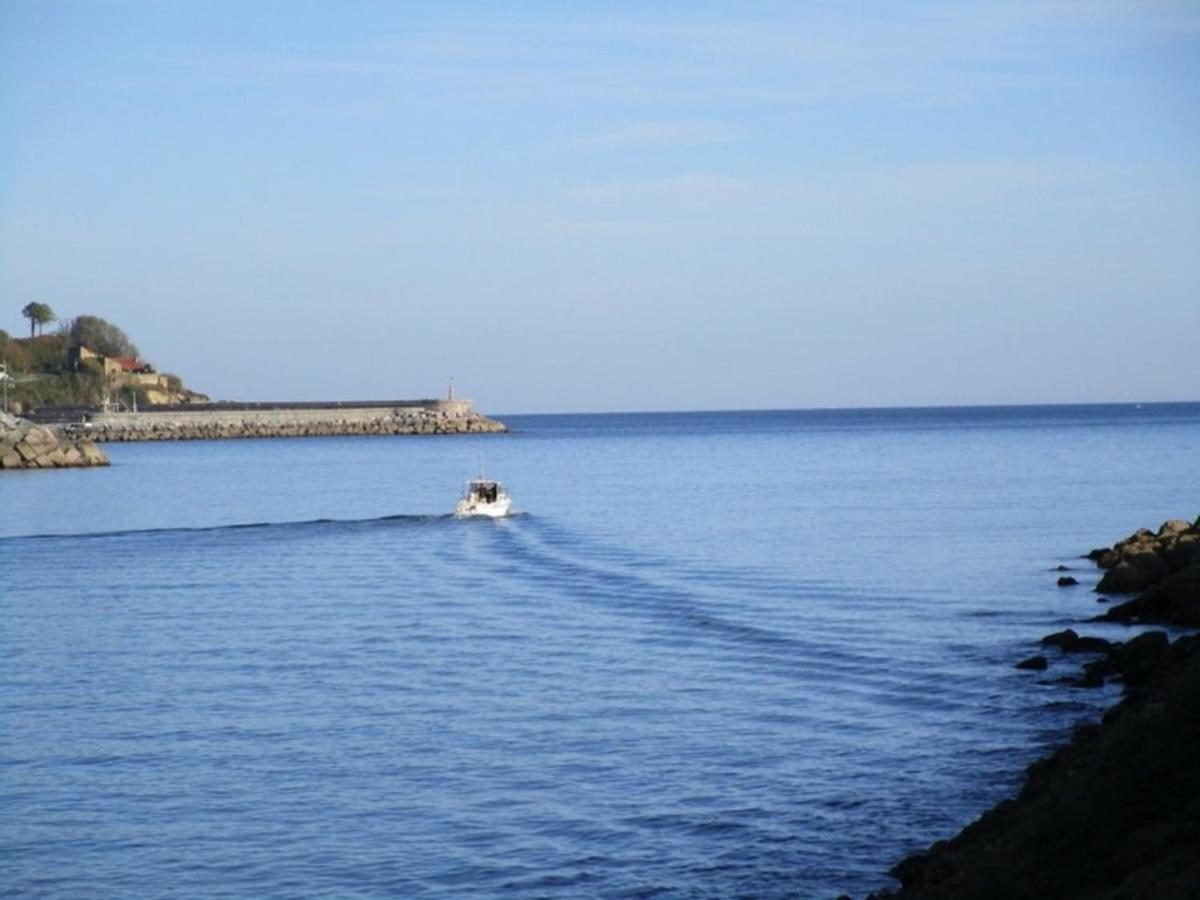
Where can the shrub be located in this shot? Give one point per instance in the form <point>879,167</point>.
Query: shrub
<point>47,353</point>
<point>102,336</point>
<point>74,389</point>
<point>16,356</point>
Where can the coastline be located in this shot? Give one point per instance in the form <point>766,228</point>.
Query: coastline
<point>1116,811</point>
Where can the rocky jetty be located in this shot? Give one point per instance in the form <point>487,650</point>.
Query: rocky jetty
<point>1116,812</point>
<point>24,445</point>
<point>161,426</point>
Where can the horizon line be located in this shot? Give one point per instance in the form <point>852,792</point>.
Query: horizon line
<point>884,408</point>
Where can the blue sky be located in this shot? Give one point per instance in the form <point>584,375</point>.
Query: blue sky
<point>616,206</point>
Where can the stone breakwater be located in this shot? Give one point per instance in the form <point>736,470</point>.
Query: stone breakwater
<point>1116,812</point>
<point>272,423</point>
<point>24,445</point>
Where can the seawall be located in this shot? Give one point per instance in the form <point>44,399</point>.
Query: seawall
<point>258,420</point>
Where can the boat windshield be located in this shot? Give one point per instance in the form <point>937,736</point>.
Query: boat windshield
<point>487,491</point>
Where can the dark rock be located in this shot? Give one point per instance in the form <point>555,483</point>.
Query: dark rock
<point>1065,639</point>
<point>1091,678</point>
<point>1089,645</point>
<point>1122,612</point>
<point>1154,604</point>
<point>1062,568</point>
<point>1037,663</point>
<point>1152,566</point>
<point>1114,814</point>
<point>1123,578</point>
<point>1095,673</point>
<point>1180,552</point>
<point>1066,581</point>
<point>1183,596</point>
<point>910,869</point>
<point>1176,600</point>
<point>1137,659</point>
<point>1070,642</point>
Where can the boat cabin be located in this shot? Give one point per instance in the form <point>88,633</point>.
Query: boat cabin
<point>484,491</point>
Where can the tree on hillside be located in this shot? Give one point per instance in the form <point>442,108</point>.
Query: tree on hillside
<point>30,311</point>
<point>103,337</point>
<point>39,315</point>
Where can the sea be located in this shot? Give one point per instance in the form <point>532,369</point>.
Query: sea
<point>714,655</point>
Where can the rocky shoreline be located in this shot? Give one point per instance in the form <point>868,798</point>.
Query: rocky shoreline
<point>25,445</point>
<point>1116,812</point>
<point>198,426</point>
<point>1164,569</point>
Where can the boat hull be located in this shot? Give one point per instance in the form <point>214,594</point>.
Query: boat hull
<point>468,509</point>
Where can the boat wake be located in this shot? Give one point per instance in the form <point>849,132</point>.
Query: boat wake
<point>402,519</point>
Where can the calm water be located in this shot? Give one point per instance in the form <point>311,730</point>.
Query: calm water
<point>758,654</point>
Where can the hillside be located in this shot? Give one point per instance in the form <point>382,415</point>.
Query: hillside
<point>86,362</point>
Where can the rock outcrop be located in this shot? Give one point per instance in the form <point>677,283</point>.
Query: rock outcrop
<point>24,445</point>
<point>1164,566</point>
<point>1116,812</point>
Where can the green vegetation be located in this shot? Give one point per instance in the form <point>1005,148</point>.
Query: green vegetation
<point>39,375</point>
<point>39,315</point>
<point>43,371</point>
<point>35,355</point>
<point>64,389</point>
<point>101,336</point>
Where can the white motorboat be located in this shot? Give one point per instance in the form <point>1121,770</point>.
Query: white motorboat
<point>484,497</point>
